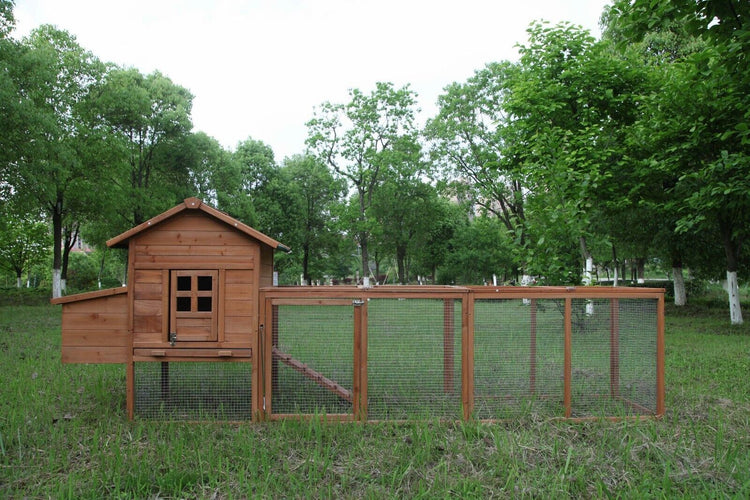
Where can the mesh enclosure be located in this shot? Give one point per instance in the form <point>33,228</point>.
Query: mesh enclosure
<point>384,356</point>
<point>193,390</point>
<point>613,357</point>
<point>414,358</point>
<point>313,359</point>
<point>518,357</point>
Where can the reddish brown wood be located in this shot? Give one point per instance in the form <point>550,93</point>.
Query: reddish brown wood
<point>313,375</point>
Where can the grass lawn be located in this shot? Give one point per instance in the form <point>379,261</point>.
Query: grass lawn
<point>64,433</point>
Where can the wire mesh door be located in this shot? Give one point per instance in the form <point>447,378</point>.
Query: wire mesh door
<point>312,357</point>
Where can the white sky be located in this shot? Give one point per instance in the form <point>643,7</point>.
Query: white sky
<point>257,68</point>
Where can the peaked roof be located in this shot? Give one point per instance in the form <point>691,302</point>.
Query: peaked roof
<point>195,204</point>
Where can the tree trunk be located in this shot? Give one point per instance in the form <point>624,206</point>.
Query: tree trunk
<point>732,252</point>
<point>588,262</point>
<point>57,247</point>
<point>640,264</point>
<point>401,262</point>
<point>616,267</point>
<point>306,262</point>
<point>19,279</point>
<point>735,311</point>
<point>678,281</point>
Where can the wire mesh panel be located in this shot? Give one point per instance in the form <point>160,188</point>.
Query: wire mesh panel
<point>518,357</point>
<point>313,359</point>
<point>613,357</point>
<point>193,390</point>
<point>413,358</point>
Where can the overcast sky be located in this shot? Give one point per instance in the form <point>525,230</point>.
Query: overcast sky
<point>257,68</point>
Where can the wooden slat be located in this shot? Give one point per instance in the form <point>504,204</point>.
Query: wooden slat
<point>89,295</point>
<point>240,277</point>
<point>143,276</point>
<point>106,304</point>
<point>194,262</point>
<point>106,338</point>
<point>239,308</point>
<point>95,354</point>
<point>239,291</point>
<point>239,324</point>
<point>147,307</point>
<point>148,291</point>
<point>192,353</point>
<point>211,235</point>
<point>95,321</point>
<point>313,375</point>
<point>193,250</point>
<point>147,325</point>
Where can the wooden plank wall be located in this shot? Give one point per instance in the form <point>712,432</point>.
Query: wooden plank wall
<point>96,330</point>
<point>193,240</point>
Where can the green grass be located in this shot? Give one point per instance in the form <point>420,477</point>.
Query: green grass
<point>64,434</point>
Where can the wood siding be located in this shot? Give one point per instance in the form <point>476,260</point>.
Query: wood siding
<point>192,240</point>
<point>96,330</point>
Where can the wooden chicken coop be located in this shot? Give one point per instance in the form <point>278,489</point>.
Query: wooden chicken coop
<point>205,336</point>
<point>189,314</point>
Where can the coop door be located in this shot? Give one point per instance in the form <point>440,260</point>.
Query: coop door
<point>193,306</point>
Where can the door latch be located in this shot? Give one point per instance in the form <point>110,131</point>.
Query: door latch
<point>172,338</point>
<point>358,302</point>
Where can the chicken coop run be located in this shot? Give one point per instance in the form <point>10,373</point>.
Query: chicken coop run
<point>204,335</point>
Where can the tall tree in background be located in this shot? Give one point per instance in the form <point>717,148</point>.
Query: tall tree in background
<point>315,192</point>
<point>356,139</point>
<point>471,142</point>
<point>52,171</point>
<point>147,114</point>
<point>701,118</point>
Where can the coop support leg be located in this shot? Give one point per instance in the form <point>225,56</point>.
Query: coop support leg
<point>130,389</point>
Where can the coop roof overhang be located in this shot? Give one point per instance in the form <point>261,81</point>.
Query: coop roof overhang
<point>121,241</point>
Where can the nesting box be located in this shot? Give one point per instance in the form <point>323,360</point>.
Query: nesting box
<point>194,274</point>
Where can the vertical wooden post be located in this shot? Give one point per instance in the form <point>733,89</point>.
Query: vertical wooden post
<point>274,343</point>
<point>567,399</point>
<point>130,388</point>
<point>532,349</point>
<point>360,328</point>
<point>614,348</point>
<point>271,327</point>
<point>660,391</point>
<point>448,349</point>
<point>467,354</point>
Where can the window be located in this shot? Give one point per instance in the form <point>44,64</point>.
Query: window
<point>193,311</point>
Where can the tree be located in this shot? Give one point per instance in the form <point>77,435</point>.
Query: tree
<point>473,144</point>
<point>51,171</point>
<point>149,116</point>
<point>315,191</point>
<point>356,139</point>
<point>701,118</point>
<point>24,242</point>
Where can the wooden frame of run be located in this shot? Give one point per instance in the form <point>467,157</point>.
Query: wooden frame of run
<point>358,297</point>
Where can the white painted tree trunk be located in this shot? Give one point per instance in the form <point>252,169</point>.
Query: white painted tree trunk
<point>56,283</point>
<point>616,276</point>
<point>588,272</point>
<point>63,285</point>
<point>680,296</point>
<point>19,282</point>
<point>735,313</point>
